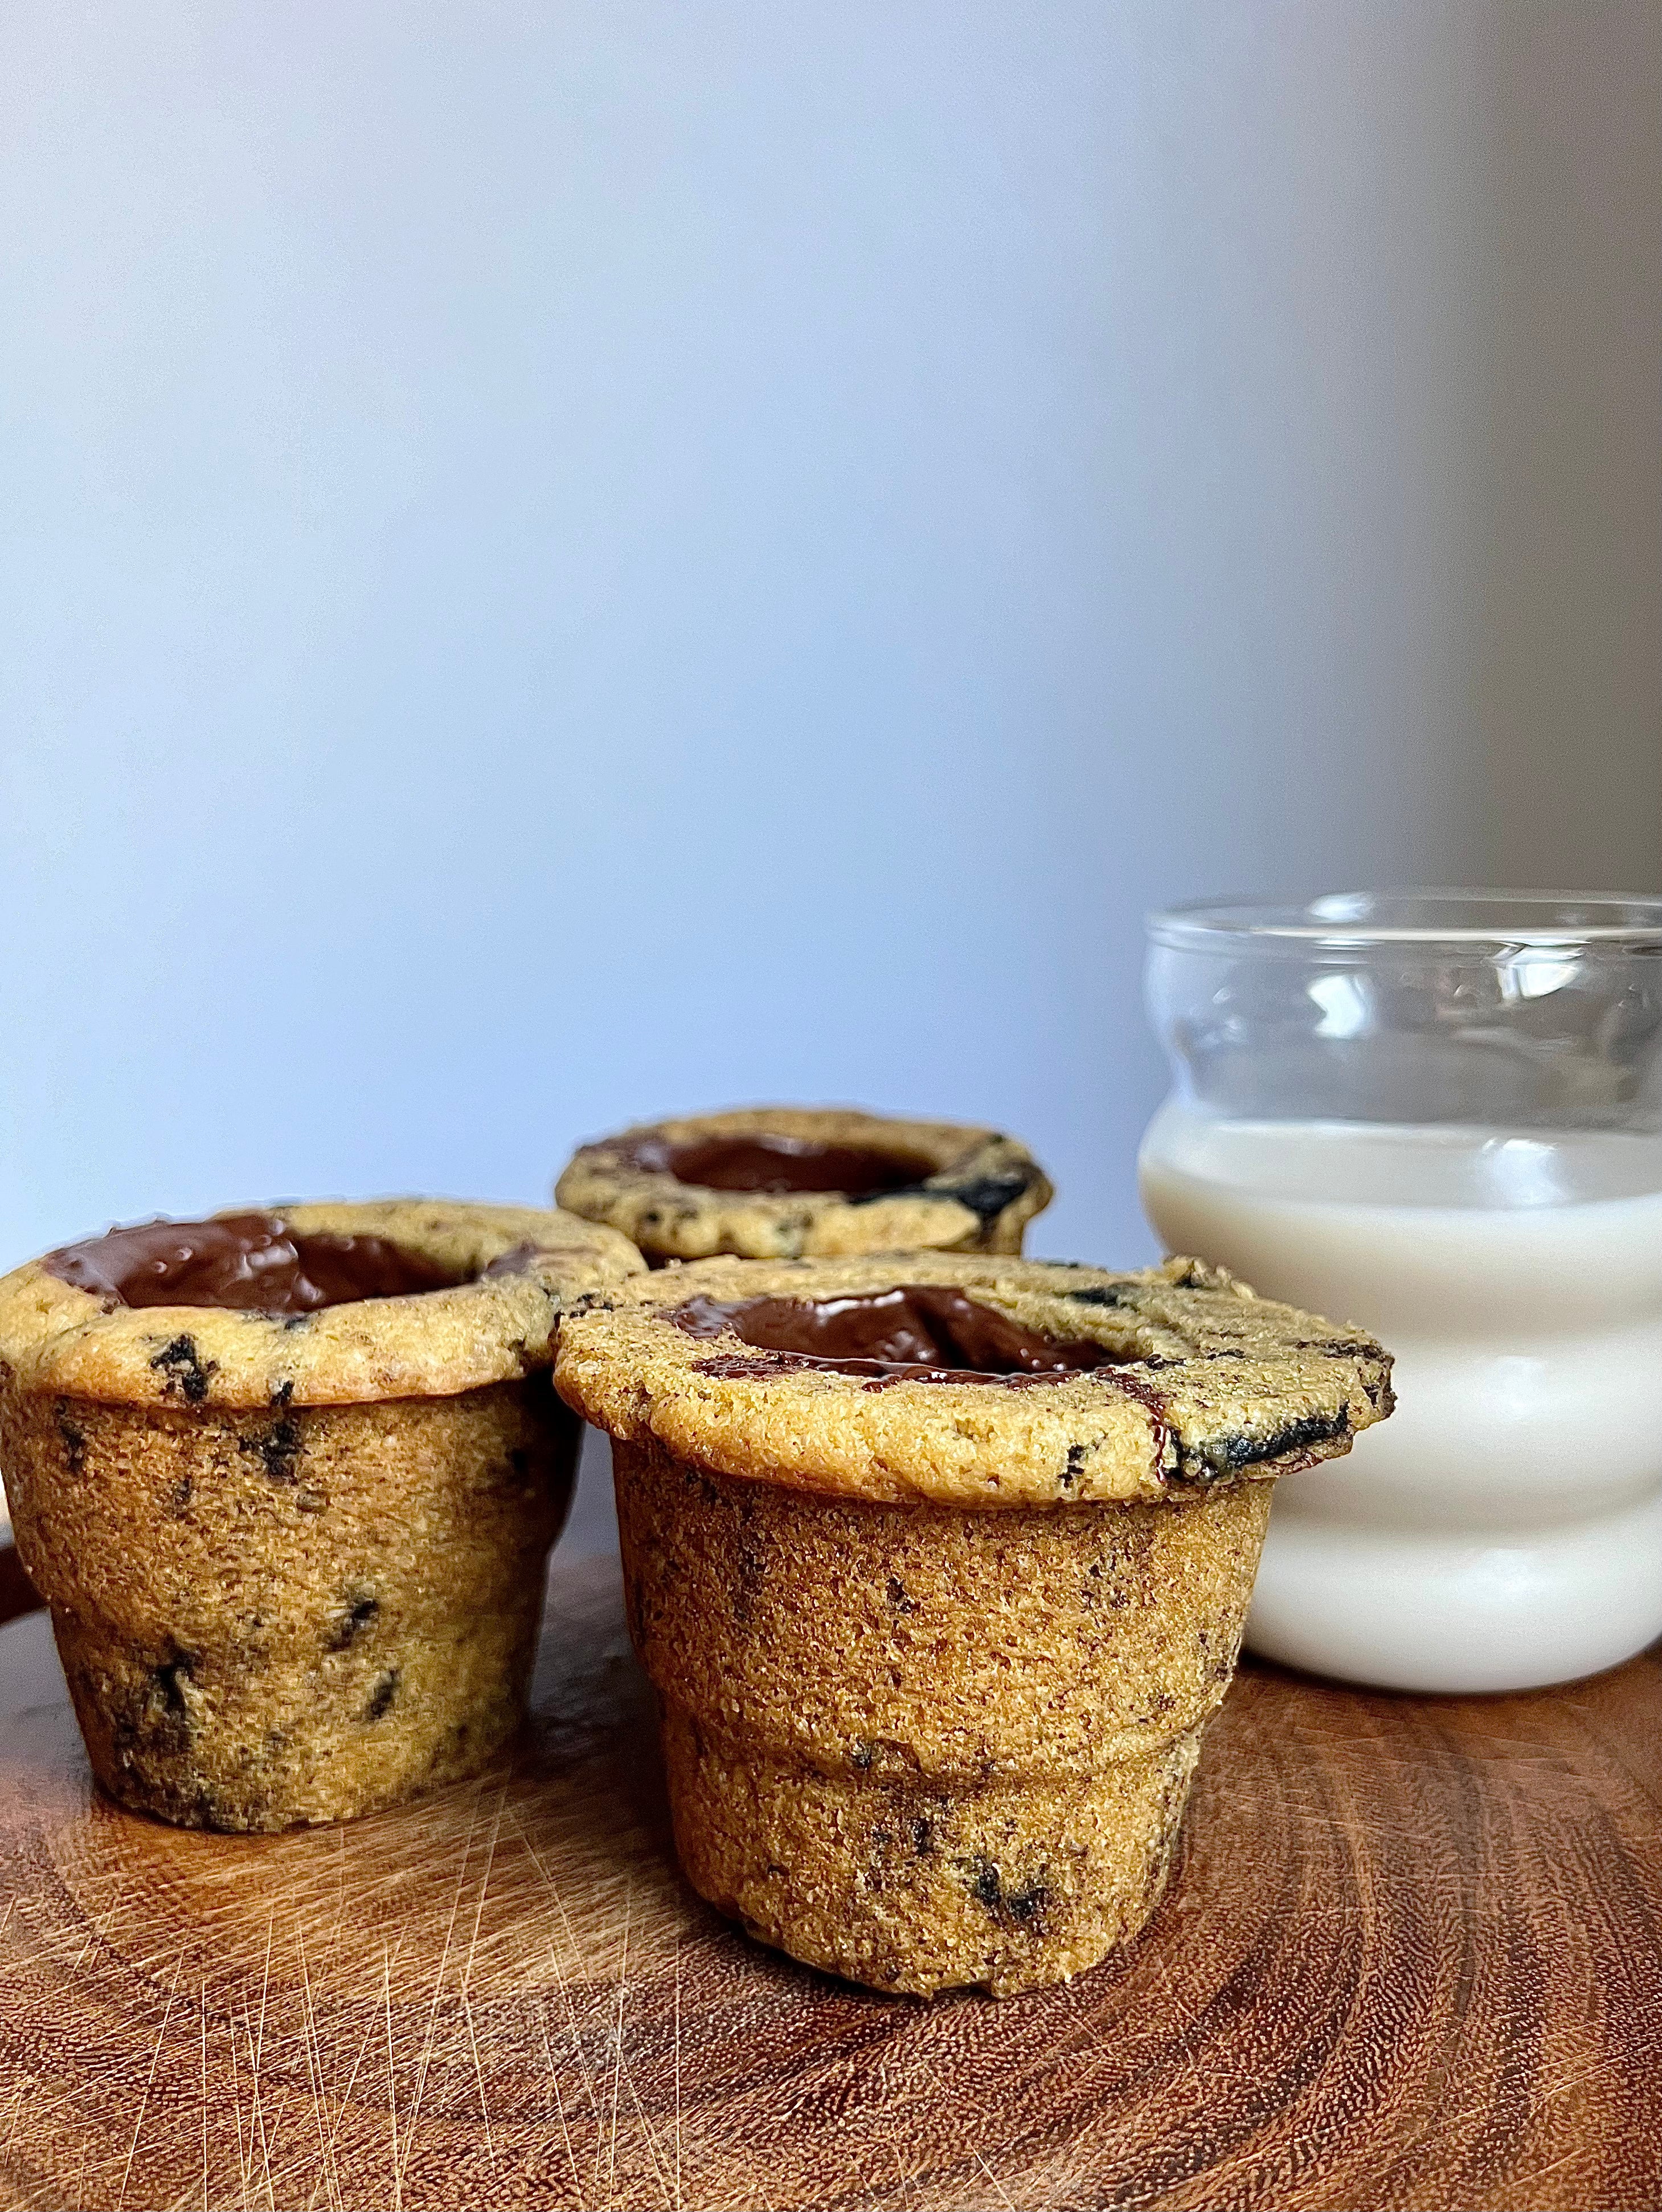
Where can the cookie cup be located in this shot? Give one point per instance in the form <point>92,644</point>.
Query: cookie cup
<point>934,1658</point>
<point>765,1183</point>
<point>294,1563</point>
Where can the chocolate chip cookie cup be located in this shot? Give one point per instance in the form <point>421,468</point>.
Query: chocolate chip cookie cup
<point>939,1567</point>
<point>767,1182</point>
<point>287,1484</point>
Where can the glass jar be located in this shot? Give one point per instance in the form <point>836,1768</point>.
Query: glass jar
<point>1439,1114</point>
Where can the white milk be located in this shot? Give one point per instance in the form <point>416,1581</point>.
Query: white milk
<point>1504,1527</point>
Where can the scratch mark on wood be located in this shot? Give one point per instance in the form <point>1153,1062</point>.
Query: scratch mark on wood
<point>313,2048</point>
<point>484,1885</point>
<point>438,1990</point>
<point>617,2059</point>
<point>393,2081</point>
<point>561,1983</point>
<point>265,1984</point>
<point>150,2083</point>
<point>256,2049</point>
<point>236,2108</point>
<point>345,2104</point>
<point>1004,2194</point>
<point>479,2076</point>
<point>204,2006</point>
<point>560,2107</point>
<point>96,1930</point>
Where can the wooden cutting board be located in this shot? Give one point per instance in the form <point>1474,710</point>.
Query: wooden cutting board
<point>1413,1957</point>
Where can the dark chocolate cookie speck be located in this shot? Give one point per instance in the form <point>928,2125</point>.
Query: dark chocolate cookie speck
<point>356,1618</point>
<point>385,1691</point>
<point>278,1450</point>
<point>178,1361</point>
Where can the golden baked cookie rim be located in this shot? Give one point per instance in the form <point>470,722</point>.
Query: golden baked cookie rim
<point>972,1165</point>
<point>1185,1411</point>
<point>57,1337</point>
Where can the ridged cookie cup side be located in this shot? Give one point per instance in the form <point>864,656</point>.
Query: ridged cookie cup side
<point>906,1891</point>
<point>926,1748</point>
<point>295,1563</point>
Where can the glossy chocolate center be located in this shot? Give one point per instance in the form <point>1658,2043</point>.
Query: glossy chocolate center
<point>918,1332</point>
<point>777,1166</point>
<point>250,1262</point>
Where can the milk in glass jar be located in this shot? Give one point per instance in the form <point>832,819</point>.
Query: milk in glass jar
<point>1439,1114</point>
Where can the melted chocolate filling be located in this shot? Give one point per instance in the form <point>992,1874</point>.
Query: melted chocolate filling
<point>779,1167</point>
<point>250,1262</point>
<point>916,1333</point>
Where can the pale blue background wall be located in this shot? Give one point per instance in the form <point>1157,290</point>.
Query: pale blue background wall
<point>564,562</point>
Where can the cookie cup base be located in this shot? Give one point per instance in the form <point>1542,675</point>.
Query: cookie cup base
<point>920,1889</point>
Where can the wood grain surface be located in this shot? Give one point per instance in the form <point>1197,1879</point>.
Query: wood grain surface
<point>1412,1957</point>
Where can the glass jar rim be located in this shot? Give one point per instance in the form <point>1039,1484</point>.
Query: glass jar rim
<point>1479,925</point>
